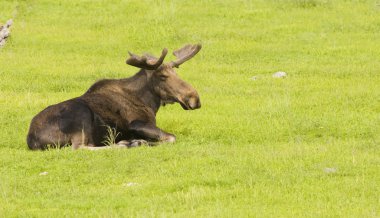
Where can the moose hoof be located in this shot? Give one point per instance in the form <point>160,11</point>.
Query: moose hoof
<point>136,143</point>
<point>132,143</point>
<point>123,143</point>
<point>170,139</point>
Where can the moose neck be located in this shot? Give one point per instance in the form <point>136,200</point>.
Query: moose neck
<point>140,85</point>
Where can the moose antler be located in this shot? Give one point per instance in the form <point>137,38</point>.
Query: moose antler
<point>185,53</point>
<point>146,61</point>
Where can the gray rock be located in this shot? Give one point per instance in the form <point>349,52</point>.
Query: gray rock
<point>43,173</point>
<point>9,23</point>
<point>279,74</point>
<point>4,33</point>
<point>330,170</point>
<point>129,184</point>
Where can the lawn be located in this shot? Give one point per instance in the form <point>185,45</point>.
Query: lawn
<point>307,145</point>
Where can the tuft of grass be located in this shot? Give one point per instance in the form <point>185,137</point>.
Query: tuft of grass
<point>111,136</point>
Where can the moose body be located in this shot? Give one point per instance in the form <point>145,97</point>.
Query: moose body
<point>127,105</point>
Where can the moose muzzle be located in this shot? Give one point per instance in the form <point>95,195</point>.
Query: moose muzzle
<point>191,101</point>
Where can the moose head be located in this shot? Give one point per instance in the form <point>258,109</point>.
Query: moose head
<point>164,80</point>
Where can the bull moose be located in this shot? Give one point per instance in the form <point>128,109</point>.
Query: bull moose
<point>127,105</point>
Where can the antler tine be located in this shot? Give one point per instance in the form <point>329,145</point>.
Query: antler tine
<point>162,57</point>
<point>146,61</point>
<point>185,53</point>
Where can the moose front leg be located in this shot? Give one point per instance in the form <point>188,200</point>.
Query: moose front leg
<point>149,132</point>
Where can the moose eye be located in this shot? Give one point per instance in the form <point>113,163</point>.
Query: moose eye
<point>163,77</point>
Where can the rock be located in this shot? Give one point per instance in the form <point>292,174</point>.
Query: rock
<point>4,33</point>
<point>279,74</point>
<point>9,23</point>
<point>329,170</point>
<point>43,173</point>
<point>129,184</point>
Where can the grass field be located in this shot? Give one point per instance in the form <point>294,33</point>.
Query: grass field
<point>303,146</point>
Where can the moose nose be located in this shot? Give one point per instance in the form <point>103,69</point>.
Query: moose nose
<point>194,102</point>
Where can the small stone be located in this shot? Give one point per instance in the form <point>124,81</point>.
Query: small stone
<point>129,184</point>
<point>329,170</point>
<point>279,74</point>
<point>43,173</point>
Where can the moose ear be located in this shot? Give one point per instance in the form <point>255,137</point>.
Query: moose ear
<point>185,53</point>
<point>146,61</point>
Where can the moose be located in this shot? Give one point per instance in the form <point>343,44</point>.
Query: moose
<point>127,105</point>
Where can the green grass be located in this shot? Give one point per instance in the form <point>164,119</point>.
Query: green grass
<point>256,148</point>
